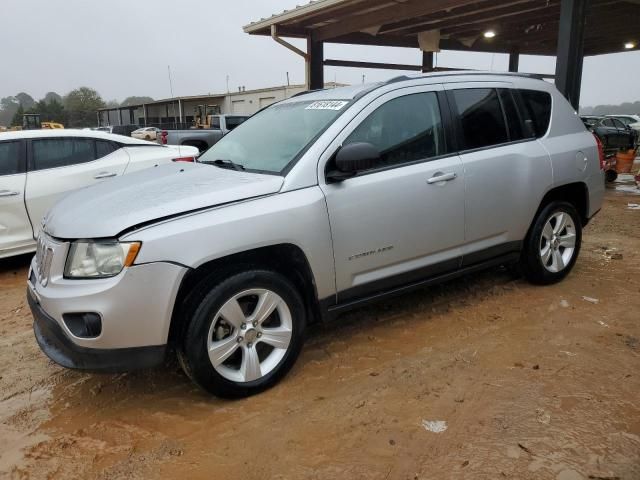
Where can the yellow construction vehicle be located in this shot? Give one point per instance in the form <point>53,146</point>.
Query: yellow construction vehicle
<point>202,115</point>
<point>52,125</point>
<point>31,121</point>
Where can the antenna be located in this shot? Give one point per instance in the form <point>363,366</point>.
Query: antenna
<point>288,79</point>
<point>173,104</point>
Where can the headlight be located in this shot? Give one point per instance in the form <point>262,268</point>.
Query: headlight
<point>99,259</point>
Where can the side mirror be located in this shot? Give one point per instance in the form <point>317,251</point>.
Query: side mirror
<point>352,158</point>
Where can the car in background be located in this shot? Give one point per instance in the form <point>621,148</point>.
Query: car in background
<point>613,134</point>
<point>632,121</point>
<point>125,130</point>
<point>38,167</point>
<point>146,133</point>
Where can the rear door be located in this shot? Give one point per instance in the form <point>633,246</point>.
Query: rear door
<point>625,134</point>
<point>612,135</point>
<point>60,165</point>
<point>506,171</point>
<point>16,234</point>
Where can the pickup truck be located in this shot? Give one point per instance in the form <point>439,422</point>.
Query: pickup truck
<point>203,138</point>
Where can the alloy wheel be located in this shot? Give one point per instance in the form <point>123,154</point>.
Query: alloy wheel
<point>249,335</point>
<point>558,242</point>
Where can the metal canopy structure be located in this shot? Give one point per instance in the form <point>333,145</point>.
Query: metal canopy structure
<point>569,29</point>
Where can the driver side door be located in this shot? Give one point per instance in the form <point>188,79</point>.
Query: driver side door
<point>403,220</point>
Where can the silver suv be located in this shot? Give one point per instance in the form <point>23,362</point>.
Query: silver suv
<point>315,205</point>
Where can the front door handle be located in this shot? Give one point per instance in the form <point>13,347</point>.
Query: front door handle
<point>104,175</point>
<point>8,193</point>
<point>441,177</point>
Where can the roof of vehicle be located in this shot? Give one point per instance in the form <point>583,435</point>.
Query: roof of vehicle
<point>354,91</point>
<point>69,132</point>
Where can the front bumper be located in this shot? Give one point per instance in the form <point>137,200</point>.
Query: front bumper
<point>55,343</point>
<point>135,308</point>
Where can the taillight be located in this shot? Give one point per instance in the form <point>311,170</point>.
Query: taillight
<point>184,159</point>
<point>600,152</point>
<point>163,137</point>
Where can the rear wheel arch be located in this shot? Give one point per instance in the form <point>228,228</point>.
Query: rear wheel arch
<point>286,259</point>
<point>576,193</point>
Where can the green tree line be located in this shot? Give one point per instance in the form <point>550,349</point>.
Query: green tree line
<point>77,109</point>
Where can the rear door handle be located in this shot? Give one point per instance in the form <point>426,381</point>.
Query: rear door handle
<point>8,193</point>
<point>441,177</point>
<point>104,175</point>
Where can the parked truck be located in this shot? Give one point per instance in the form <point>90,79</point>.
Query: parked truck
<point>202,138</point>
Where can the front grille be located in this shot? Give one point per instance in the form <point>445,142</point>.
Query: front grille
<point>44,255</point>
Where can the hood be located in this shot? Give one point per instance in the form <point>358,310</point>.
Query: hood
<point>108,208</point>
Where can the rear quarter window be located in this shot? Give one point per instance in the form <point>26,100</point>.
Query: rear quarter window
<point>536,110</point>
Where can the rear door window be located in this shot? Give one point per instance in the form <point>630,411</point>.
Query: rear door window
<point>536,110</point>
<point>618,124</point>
<point>61,152</point>
<point>11,158</point>
<point>481,118</point>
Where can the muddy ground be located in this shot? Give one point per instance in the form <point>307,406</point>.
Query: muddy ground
<point>532,382</point>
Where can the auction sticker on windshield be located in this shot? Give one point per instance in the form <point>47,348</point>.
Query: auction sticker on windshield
<point>327,105</point>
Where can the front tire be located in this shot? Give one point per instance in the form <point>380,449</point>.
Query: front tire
<point>553,244</point>
<point>244,333</point>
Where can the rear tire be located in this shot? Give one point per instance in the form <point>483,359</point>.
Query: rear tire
<point>552,245</point>
<point>610,176</point>
<point>244,333</point>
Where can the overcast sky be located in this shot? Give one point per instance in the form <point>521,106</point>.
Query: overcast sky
<point>123,47</point>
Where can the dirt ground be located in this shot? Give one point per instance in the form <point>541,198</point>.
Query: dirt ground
<point>532,382</point>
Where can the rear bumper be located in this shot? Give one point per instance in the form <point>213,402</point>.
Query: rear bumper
<point>55,343</point>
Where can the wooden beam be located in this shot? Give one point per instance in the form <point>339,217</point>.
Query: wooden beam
<point>383,66</point>
<point>394,13</point>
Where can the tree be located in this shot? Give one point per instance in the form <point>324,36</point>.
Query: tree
<point>25,100</point>
<point>52,97</point>
<point>8,108</point>
<point>135,101</point>
<point>112,104</point>
<point>81,106</point>
<point>52,111</point>
<point>17,117</point>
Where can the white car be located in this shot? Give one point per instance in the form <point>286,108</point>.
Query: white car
<point>37,167</point>
<point>146,133</point>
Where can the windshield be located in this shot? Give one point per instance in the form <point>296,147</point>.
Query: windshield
<point>273,138</point>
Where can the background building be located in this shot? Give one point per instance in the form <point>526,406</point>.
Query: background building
<point>179,111</point>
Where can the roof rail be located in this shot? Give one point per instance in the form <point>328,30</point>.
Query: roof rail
<point>307,91</point>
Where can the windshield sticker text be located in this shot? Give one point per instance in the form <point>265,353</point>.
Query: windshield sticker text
<point>327,105</point>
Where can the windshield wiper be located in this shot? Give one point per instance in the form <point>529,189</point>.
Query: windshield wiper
<point>227,164</point>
